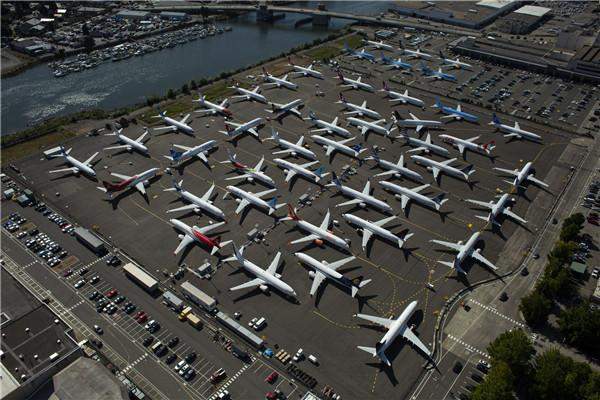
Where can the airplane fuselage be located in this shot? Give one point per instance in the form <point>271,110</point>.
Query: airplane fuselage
<point>366,124</point>
<point>404,99</point>
<point>249,197</point>
<point>245,126</point>
<point>202,204</point>
<point>365,198</point>
<point>81,167</point>
<point>324,269</point>
<point>359,110</point>
<point>518,131</point>
<point>269,279</point>
<point>331,128</point>
<point>397,327</point>
<point>429,163</point>
<point>144,177</point>
<point>434,148</point>
<point>251,95</point>
<point>298,169</point>
<point>456,142</point>
<point>188,154</point>
<point>296,149</point>
<point>307,71</point>
<point>177,124</point>
<point>377,230</point>
<point>416,196</point>
<point>323,234</point>
<point>400,170</point>
<point>337,146</point>
<point>132,144</point>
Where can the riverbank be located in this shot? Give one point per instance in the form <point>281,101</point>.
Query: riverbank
<point>13,63</point>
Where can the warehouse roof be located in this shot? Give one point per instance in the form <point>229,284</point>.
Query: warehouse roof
<point>535,11</point>
<point>495,3</point>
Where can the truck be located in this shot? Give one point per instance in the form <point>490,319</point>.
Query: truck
<point>194,320</point>
<point>184,313</point>
<point>198,297</point>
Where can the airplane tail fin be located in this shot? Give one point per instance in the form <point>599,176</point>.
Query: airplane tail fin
<point>495,119</point>
<point>468,169</point>
<point>109,187</point>
<point>488,147</point>
<point>320,172</point>
<point>385,86</point>
<point>312,115</point>
<point>340,75</point>
<point>439,200</point>
<point>438,103</point>
<point>175,155</point>
<point>442,54</point>
<point>342,98</point>
<point>355,289</point>
<point>335,180</point>
<point>274,134</point>
<point>176,186</point>
<point>292,213</point>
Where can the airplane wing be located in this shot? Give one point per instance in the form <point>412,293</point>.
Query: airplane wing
<point>338,264</point>
<point>241,206</point>
<point>367,189</point>
<point>364,130</point>
<point>295,111</point>
<point>119,147</point>
<point>411,337</point>
<point>249,284</point>
<point>244,176</point>
<point>533,179</point>
<point>448,162</point>
<point>183,208</point>
<point>283,151</point>
<point>366,237</point>
<point>350,202</point>
<point>450,245</point>
<point>208,193</point>
<point>206,229</point>
<point>386,322</point>
<point>291,173</point>
<point>304,239</point>
<point>480,203</point>
<point>436,172</point>
<point>70,169</point>
<point>384,221</point>
<point>120,176</point>
<point>514,216</point>
<point>187,239</point>
<point>477,255</point>
<point>404,201</point>
<point>317,281</point>
<point>272,270</point>
<point>320,130</point>
<point>184,119</point>
<point>182,147</point>
<point>253,132</point>
<point>507,171</point>
<point>416,149</point>
<point>142,136</point>
<point>202,156</point>
<point>89,160</point>
<point>390,172</point>
<point>141,188</point>
<point>453,115</point>
<point>258,166</point>
<point>325,223</point>
<point>265,192</point>
<point>508,135</point>
<point>234,124</point>
<point>419,188</point>
<point>329,150</point>
<point>309,164</point>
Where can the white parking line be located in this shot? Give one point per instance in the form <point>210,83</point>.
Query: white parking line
<point>494,311</point>
<point>469,347</point>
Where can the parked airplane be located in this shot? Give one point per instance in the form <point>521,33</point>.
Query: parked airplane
<point>331,145</point>
<point>356,109</point>
<point>424,145</point>
<point>379,45</point>
<point>361,199</point>
<point>414,122</point>
<point>362,55</point>
<point>464,250</point>
<point>324,270</point>
<point>76,165</point>
<point>194,234</point>
<point>398,327</point>
<point>200,151</point>
<point>454,63</point>
<point>444,166</point>
<point>174,125</point>
<point>403,98</point>
<point>497,208</point>
<point>455,113</point>
<point>291,148</point>
<point>248,173</point>
<point>197,204</point>
<point>278,82</point>
<point>305,71</point>
<point>324,126</point>
<point>213,108</point>
<point>405,195</point>
<point>242,128</point>
<point>438,75</point>
<point>366,126</point>
<point>375,227</point>
<point>139,182</point>
<point>317,234</point>
<point>515,131</point>
<point>292,170</point>
<point>397,169</point>
<point>281,110</point>
<point>416,53</point>
<point>521,176</point>
<point>246,94</point>
<point>354,83</point>
<point>263,278</point>
<point>469,144</point>
<point>395,64</point>
<point>247,198</point>
<point>129,144</point>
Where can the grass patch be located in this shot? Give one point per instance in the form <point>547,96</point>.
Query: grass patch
<point>218,90</point>
<point>331,50</point>
<point>35,145</point>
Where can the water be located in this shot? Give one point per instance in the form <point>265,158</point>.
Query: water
<point>36,94</point>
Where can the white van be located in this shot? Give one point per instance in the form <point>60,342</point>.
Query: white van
<point>258,325</point>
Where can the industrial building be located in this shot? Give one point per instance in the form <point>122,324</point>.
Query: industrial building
<point>172,15</point>
<point>240,329</point>
<point>132,15</point>
<point>523,20</point>
<point>90,240</point>
<point>87,379</point>
<point>139,276</point>
<point>586,60</point>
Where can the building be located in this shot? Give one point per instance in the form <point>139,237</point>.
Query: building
<point>89,11</point>
<point>524,20</point>
<point>90,240</point>
<point>573,37</point>
<point>240,329</point>
<point>31,46</point>
<point>587,60</point>
<point>87,379</point>
<point>596,294</point>
<point>132,15</point>
<point>174,16</point>
<point>578,269</point>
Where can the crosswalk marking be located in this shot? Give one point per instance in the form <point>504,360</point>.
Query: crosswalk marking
<point>231,380</point>
<point>469,347</point>
<point>135,362</point>
<point>494,311</point>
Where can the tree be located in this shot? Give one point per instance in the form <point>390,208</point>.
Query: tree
<point>535,308</point>
<point>193,84</point>
<point>569,233</point>
<point>498,385</point>
<point>170,94</point>
<point>515,349</point>
<point>185,89</point>
<point>558,377</point>
<point>88,43</point>
<point>85,30</point>
<point>581,327</point>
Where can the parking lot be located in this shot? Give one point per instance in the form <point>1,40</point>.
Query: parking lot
<point>323,326</point>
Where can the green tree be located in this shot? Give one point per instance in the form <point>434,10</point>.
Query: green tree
<point>85,30</point>
<point>515,349</point>
<point>535,308</point>
<point>558,377</point>
<point>498,385</point>
<point>569,233</point>
<point>185,89</point>
<point>581,327</point>
<point>170,94</point>
<point>193,84</point>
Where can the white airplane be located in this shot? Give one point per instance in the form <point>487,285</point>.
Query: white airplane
<point>356,109</point>
<point>174,125</point>
<point>76,165</point>
<point>129,144</point>
<point>213,108</point>
<point>305,71</point>
<point>414,122</point>
<point>464,250</point>
<point>324,270</point>
<point>361,199</point>
<point>324,126</point>
<point>278,82</point>
<point>379,45</point>
<point>291,170</point>
<point>318,234</point>
<point>424,145</point>
<point>375,227</point>
<point>515,131</point>
<point>405,195</point>
<point>291,148</point>
<point>242,128</point>
<point>521,176</point>
<point>264,278</point>
<point>457,113</point>
<point>197,204</point>
<point>200,151</point>
<point>444,166</point>
<point>496,209</point>
<point>247,198</point>
<point>281,110</point>
<point>359,55</point>
<point>366,126</point>
<point>139,182</point>
<point>416,53</point>
<point>248,173</point>
<point>331,145</point>
<point>454,63</point>
<point>395,327</point>
<point>403,98</point>
<point>194,234</point>
<point>469,144</point>
<point>246,94</point>
<point>354,83</point>
<point>429,73</point>
<point>397,169</point>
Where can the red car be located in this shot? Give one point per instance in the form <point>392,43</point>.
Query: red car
<point>67,272</point>
<point>271,396</point>
<point>272,377</point>
<point>111,293</point>
<point>142,318</point>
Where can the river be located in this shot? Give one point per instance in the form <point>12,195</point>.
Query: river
<point>36,94</point>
